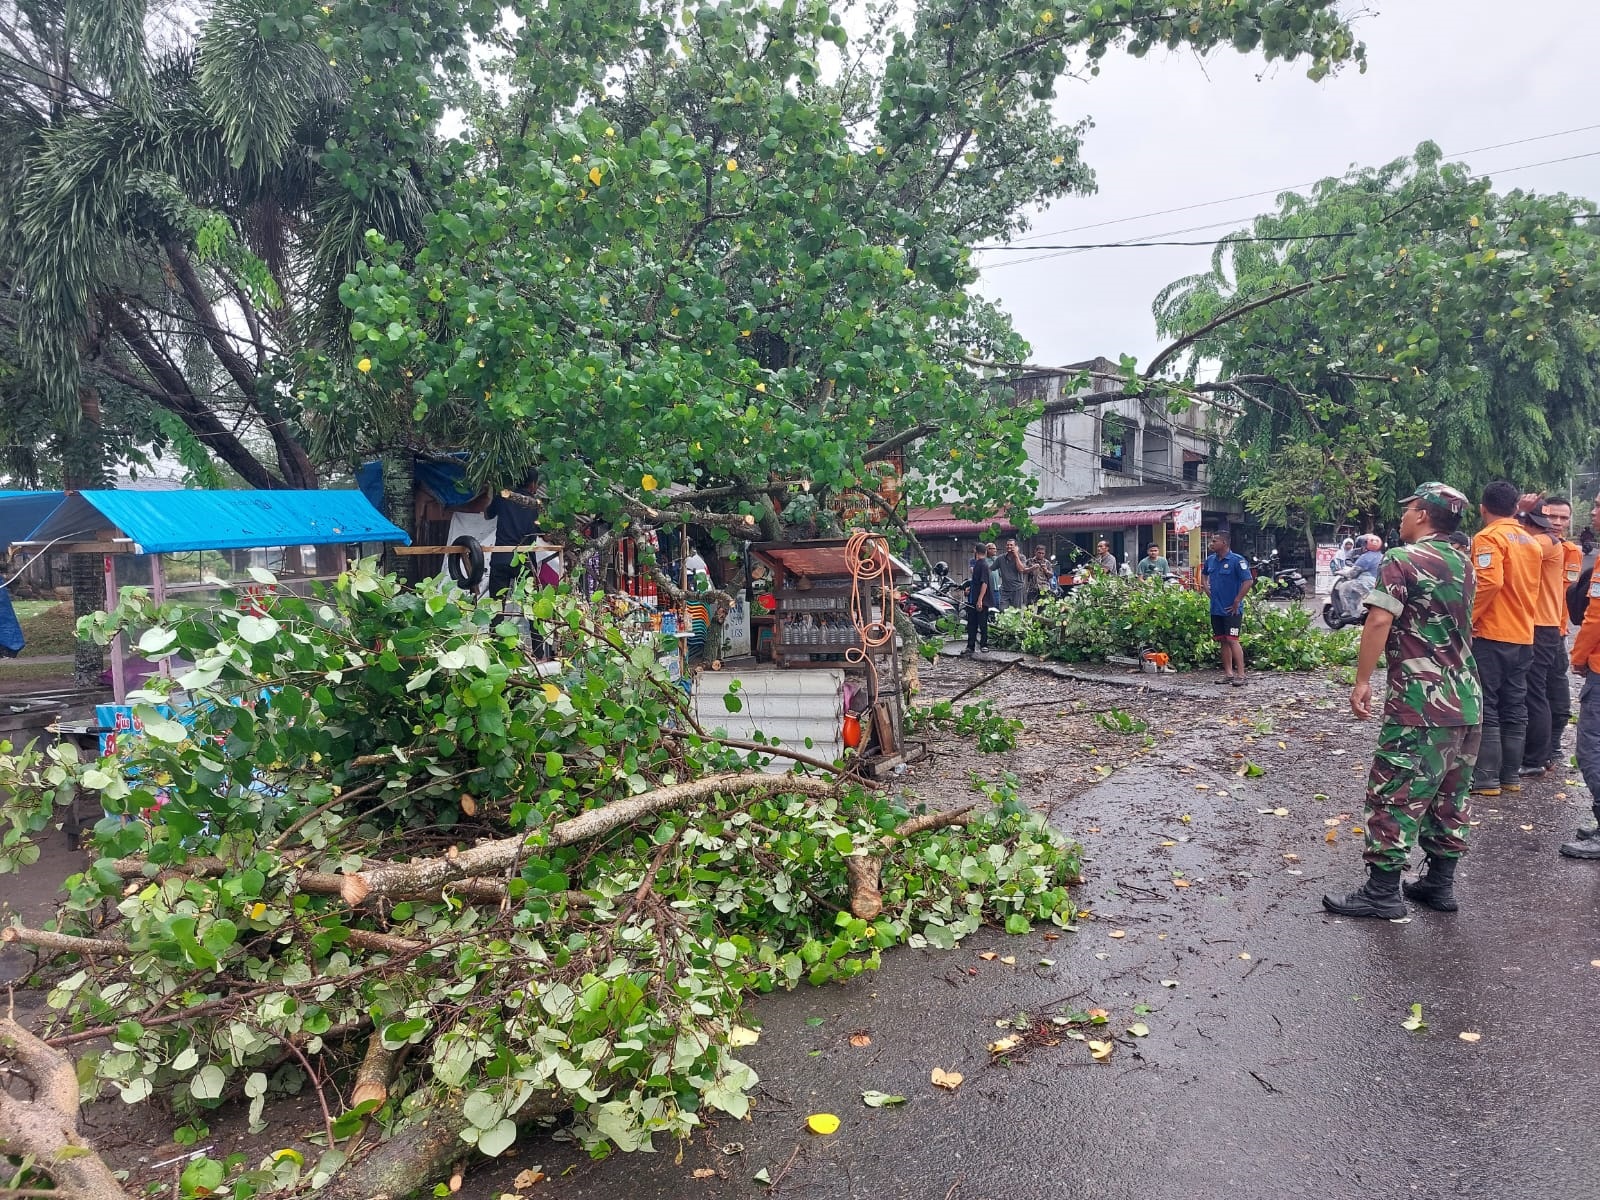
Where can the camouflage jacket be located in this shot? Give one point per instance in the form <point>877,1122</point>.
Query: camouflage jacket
<point>1433,679</point>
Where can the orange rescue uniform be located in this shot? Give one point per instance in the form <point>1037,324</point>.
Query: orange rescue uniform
<point>1586,646</point>
<point>1509,566</point>
<point>1561,564</point>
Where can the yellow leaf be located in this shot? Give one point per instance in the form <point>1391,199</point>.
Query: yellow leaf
<point>1473,221</point>
<point>822,1123</point>
<point>1118,933</point>
<point>595,176</point>
<point>948,1080</point>
<point>733,164</point>
<point>761,387</point>
<point>988,956</point>
<point>291,1154</point>
<point>1010,960</point>
<point>364,365</point>
<point>1005,1044</point>
<point>1139,1029</point>
<point>257,911</point>
<point>648,483</point>
<point>1331,836</point>
<point>1246,957</point>
<point>1470,1037</point>
<point>1180,883</point>
<point>610,132</point>
<point>551,692</point>
<point>1100,1051</point>
<point>739,1035</point>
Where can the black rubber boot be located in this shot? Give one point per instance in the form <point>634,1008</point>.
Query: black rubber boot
<point>1486,775</point>
<point>1435,889</point>
<point>1512,740</point>
<point>1379,897</point>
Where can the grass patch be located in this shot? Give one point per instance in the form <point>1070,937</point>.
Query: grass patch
<point>47,626</point>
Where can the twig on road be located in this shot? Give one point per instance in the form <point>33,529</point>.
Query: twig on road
<point>993,675</point>
<point>772,1188</point>
<point>1270,1089</point>
<point>954,1186</point>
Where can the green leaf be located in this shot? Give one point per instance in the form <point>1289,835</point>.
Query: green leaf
<point>1414,1022</point>
<point>256,630</point>
<point>497,1140</point>
<point>880,1099</point>
<point>208,1083</point>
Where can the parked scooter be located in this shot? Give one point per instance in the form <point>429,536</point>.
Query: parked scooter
<point>1280,582</point>
<point>1350,588</point>
<point>929,601</point>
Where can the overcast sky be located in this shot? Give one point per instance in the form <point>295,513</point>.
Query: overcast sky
<point>1172,132</point>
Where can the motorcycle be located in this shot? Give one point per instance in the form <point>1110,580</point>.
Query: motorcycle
<point>931,600</point>
<point>1350,587</point>
<point>1282,583</point>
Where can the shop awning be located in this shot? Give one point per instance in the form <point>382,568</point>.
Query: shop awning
<point>1125,518</point>
<point>942,522</point>
<point>167,522</point>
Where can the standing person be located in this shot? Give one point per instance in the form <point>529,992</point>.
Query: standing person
<point>1549,693</point>
<point>1154,564</point>
<point>1419,617</point>
<point>1585,843</point>
<point>1040,573</point>
<point>1508,564</point>
<point>997,594</point>
<point>1013,575</point>
<point>980,600</point>
<point>515,517</point>
<point>1226,579</point>
<point>1104,559</point>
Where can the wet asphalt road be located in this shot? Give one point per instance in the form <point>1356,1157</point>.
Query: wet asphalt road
<point>1282,1074</point>
<point>1286,1073</point>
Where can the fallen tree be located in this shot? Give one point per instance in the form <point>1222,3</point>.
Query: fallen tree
<point>375,854</point>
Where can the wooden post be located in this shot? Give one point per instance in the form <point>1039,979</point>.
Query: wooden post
<point>119,678</point>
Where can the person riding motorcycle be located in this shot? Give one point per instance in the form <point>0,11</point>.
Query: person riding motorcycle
<point>1358,577</point>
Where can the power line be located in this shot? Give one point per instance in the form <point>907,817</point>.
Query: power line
<point>1162,212</point>
<point>1059,250</point>
<point>1229,241</point>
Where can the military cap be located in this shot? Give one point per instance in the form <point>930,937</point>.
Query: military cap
<point>1441,495</point>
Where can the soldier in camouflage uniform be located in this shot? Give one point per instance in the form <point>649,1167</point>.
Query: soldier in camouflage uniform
<point>1420,617</point>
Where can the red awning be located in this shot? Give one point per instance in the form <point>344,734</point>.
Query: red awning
<point>1125,519</point>
<point>939,522</point>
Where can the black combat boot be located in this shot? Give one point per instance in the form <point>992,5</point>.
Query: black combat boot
<point>1378,897</point>
<point>1435,888</point>
<point>1486,775</point>
<point>1585,843</point>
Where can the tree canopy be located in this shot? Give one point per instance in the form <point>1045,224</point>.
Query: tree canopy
<point>1398,324</point>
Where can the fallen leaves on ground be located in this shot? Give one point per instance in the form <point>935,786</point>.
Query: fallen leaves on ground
<point>704,1173</point>
<point>1527,828</point>
<point>823,1123</point>
<point>1183,883</point>
<point>531,1176</point>
<point>1118,933</point>
<point>949,1080</point>
<point>1010,1042</point>
<point>988,956</point>
<point>1414,1022</point>
<point>1470,1037</point>
<point>1244,956</point>
<point>860,1039</point>
<point>741,1036</point>
<point>1169,983</point>
<point>1101,1050</point>
<point>1009,960</point>
<point>880,1099</point>
<point>1139,1029</point>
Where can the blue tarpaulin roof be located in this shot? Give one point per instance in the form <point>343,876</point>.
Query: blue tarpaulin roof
<point>22,512</point>
<point>166,522</point>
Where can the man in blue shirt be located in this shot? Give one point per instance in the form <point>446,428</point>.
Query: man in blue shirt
<point>1369,559</point>
<point>1226,578</point>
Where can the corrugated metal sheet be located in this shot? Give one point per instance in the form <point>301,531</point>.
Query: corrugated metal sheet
<point>939,522</point>
<point>786,706</point>
<point>164,522</point>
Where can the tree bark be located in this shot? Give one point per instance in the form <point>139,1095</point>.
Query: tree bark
<point>490,858</point>
<point>47,1124</point>
<point>84,467</point>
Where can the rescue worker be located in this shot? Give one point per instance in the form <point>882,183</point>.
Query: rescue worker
<point>1586,662</point>
<point>1419,617</point>
<point>1508,565</point>
<point>1549,692</point>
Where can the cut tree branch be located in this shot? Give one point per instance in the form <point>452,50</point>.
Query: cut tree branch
<point>490,858</point>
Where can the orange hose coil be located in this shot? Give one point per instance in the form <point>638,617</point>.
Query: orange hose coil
<point>868,558</point>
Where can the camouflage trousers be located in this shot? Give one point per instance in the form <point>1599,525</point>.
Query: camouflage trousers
<point>1417,792</point>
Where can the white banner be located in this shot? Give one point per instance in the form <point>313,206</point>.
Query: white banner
<point>1187,518</point>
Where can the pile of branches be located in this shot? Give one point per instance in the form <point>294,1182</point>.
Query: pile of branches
<point>378,854</point>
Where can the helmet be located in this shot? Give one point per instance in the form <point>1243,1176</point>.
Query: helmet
<point>941,568</point>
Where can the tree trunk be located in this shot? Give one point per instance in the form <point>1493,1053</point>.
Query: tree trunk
<point>84,466</point>
<point>400,503</point>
